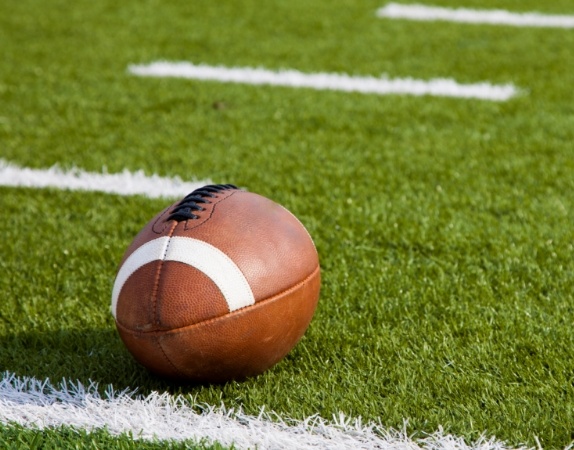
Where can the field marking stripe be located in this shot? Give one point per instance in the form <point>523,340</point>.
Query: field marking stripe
<point>123,183</point>
<point>475,16</point>
<point>39,404</point>
<point>196,253</point>
<point>440,87</point>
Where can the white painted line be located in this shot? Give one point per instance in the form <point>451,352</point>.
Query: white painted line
<point>441,87</point>
<point>474,16</point>
<point>38,404</point>
<point>196,253</point>
<point>124,183</point>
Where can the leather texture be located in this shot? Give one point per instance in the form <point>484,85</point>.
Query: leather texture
<point>174,319</point>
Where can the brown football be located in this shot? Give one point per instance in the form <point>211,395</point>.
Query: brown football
<point>220,285</point>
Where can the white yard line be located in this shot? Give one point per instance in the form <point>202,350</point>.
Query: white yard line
<point>123,183</point>
<point>441,87</point>
<point>37,404</point>
<point>475,16</point>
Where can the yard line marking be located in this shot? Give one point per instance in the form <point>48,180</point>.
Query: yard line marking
<point>440,87</point>
<point>38,404</point>
<point>475,16</point>
<point>123,183</point>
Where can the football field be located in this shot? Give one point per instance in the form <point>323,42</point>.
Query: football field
<point>427,148</point>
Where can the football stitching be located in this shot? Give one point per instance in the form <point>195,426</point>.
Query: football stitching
<point>155,318</point>
<point>187,228</point>
<point>157,340</point>
<point>189,207</point>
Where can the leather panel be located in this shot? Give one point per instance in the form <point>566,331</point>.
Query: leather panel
<point>238,345</point>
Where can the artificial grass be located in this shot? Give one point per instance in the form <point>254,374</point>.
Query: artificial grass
<point>17,437</point>
<point>444,226</point>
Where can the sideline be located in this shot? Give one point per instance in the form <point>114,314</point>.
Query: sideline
<point>39,404</point>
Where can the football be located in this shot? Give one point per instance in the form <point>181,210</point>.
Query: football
<point>219,286</point>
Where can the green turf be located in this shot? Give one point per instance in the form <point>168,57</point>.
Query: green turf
<point>16,438</point>
<point>444,226</point>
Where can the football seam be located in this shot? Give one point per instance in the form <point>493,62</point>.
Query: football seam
<point>157,340</point>
<point>154,299</point>
<point>238,312</point>
<point>155,316</point>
